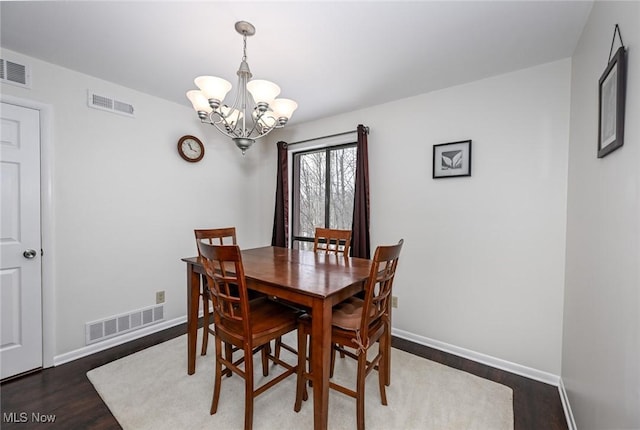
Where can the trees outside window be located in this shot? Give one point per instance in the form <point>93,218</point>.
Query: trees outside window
<point>323,190</point>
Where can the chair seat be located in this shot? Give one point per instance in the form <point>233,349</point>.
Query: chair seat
<point>345,332</point>
<point>268,319</point>
<point>348,314</point>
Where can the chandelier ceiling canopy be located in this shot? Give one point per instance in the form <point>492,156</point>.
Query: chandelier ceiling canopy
<point>255,110</point>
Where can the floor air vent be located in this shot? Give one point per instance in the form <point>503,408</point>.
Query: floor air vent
<point>15,73</point>
<point>114,326</point>
<point>109,104</point>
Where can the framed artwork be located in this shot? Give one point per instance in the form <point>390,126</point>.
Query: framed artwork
<point>452,159</point>
<point>612,86</point>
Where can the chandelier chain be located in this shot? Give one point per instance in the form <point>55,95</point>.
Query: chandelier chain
<point>244,46</point>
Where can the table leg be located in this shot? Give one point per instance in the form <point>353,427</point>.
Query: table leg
<point>320,361</point>
<point>193,303</point>
<point>387,353</point>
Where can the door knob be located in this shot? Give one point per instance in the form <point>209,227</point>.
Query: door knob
<point>30,253</point>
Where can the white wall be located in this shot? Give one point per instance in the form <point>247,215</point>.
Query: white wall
<point>601,346</point>
<point>483,262</point>
<point>125,203</point>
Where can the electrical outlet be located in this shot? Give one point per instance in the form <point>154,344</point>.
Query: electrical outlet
<point>394,301</point>
<point>159,297</point>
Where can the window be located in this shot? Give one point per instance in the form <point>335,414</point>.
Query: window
<point>323,190</point>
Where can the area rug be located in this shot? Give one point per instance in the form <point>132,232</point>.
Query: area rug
<point>151,390</point>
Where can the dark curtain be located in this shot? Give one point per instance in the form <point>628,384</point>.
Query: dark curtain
<point>360,242</point>
<point>280,233</point>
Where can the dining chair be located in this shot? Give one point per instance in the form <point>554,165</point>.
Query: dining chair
<point>335,241</point>
<point>248,325</point>
<point>328,241</point>
<point>332,241</point>
<point>217,236</point>
<point>360,324</point>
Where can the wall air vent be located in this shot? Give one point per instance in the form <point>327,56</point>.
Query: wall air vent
<point>110,104</point>
<point>116,325</point>
<point>15,73</point>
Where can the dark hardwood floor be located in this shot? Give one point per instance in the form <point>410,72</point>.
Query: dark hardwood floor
<point>66,393</point>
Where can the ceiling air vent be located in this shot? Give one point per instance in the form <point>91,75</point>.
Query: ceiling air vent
<point>109,104</point>
<point>15,73</point>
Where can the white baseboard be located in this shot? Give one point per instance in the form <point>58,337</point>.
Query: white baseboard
<point>571,422</point>
<point>115,341</point>
<point>538,375</point>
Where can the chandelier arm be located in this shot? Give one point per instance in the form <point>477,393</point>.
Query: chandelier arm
<point>230,132</point>
<point>255,127</point>
<point>222,125</point>
<point>225,130</point>
<point>265,133</point>
<point>233,127</point>
<point>263,126</point>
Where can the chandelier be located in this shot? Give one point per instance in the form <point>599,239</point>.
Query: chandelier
<point>255,110</point>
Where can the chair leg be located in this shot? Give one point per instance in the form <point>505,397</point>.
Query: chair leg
<point>333,359</point>
<point>218,377</point>
<point>277,347</point>
<point>362,374</point>
<point>205,326</point>
<point>383,371</point>
<point>387,356</point>
<point>383,392</point>
<point>228,354</point>
<point>248,389</point>
<point>301,386</point>
<point>266,350</point>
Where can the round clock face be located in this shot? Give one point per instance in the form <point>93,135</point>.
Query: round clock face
<point>190,148</point>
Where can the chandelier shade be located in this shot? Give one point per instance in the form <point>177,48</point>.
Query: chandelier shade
<point>199,101</point>
<point>263,92</point>
<point>213,87</point>
<point>284,107</point>
<point>254,112</point>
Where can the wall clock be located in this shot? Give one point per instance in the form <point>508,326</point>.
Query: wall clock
<point>190,148</point>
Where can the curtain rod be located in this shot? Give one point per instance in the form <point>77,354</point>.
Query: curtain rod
<point>326,137</point>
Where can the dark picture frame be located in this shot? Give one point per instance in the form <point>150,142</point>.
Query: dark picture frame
<point>451,160</point>
<point>611,106</point>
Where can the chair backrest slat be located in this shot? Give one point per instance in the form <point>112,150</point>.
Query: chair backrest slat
<point>226,282</point>
<point>216,236</point>
<point>332,241</point>
<point>379,284</point>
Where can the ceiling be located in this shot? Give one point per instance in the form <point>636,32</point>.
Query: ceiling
<point>331,57</point>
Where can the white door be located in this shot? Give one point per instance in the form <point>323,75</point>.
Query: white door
<point>20,242</point>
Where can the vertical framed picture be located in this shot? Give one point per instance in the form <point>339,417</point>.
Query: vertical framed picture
<point>452,160</point>
<point>612,88</point>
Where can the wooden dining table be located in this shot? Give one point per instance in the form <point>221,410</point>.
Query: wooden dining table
<point>314,281</point>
